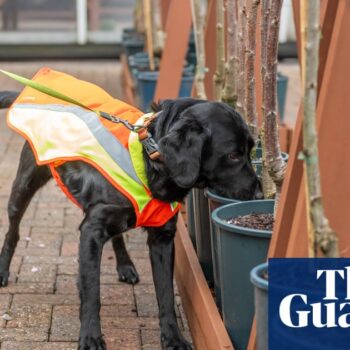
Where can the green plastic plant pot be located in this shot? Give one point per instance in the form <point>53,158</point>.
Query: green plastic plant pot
<point>202,229</point>
<point>240,250</point>
<point>258,278</point>
<point>190,218</point>
<point>216,201</point>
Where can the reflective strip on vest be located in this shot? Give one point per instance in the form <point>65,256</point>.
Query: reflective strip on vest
<point>86,137</point>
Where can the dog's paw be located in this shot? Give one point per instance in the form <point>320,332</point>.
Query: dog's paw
<point>175,343</point>
<point>4,278</point>
<point>128,274</point>
<point>89,342</point>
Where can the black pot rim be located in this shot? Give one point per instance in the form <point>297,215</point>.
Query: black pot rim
<point>239,229</point>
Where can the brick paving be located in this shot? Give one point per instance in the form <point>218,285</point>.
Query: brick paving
<point>41,298</point>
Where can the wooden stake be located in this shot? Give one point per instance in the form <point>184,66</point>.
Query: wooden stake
<point>147,9</point>
<point>321,236</point>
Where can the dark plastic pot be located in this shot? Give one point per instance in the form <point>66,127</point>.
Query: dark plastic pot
<point>130,33</point>
<point>190,218</point>
<point>240,249</point>
<point>257,277</point>
<point>147,84</point>
<point>133,45</point>
<point>202,229</point>
<point>282,84</point>
<point>216,201</point>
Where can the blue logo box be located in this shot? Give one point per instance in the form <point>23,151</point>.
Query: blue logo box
<point>309,304</point>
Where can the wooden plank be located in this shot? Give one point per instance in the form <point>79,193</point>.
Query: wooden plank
<point>333,125</point>
<point>164,11</point>
<point>178,27</point>
<point>206,326</point>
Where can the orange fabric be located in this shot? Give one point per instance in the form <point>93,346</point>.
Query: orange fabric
<point>81,91</point>
<point>156,213</point>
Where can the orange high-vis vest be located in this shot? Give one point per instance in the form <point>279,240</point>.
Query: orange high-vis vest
<point>60,132</point>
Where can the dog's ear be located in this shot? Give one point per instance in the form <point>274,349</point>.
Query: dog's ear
<point>182,152</point>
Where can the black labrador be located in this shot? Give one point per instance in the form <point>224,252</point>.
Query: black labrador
<point>202,144</point>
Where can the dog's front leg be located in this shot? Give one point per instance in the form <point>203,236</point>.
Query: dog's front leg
<point>161,245</point>
<point>92,239</point>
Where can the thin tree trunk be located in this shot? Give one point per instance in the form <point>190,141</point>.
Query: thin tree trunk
<point>324,237</point>
<point>274,160</point>
<point>149,31</point>
<point>242,23</point>
<point>198,27</point>
<point>249,96</point>
<point>229,93</point>
<point>268,185</point>
<point>220,49</point>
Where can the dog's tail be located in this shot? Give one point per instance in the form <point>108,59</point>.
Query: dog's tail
<point>7,98</point>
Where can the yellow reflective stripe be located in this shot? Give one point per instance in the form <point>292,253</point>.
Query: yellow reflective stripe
<point>136,152</point>
<point>63,135</point>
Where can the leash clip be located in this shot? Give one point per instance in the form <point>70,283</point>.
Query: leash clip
<point>151,147</point>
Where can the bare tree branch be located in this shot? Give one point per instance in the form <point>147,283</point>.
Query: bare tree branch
<point>198,27</point>
<point>274,160</point>
<point>220,49</point>
<point>249,96</point>
<point>322,236</point>
<point>229,93</point>
<point>242,22</point>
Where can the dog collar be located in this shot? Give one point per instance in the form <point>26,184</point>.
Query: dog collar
<point>145,137</point>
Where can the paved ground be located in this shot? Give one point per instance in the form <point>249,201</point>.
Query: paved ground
<point>41,299</point>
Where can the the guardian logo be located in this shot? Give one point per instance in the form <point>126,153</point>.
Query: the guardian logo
<point>309,304</point>
<point>325,309</point>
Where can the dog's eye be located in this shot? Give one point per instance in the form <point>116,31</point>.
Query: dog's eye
<point>235,156</point>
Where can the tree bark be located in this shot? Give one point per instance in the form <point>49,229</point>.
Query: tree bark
<point>198,28</point>
<point>220,49</point>
<point>274,161</point>
<point>322,236</point>
<point>242,21</point>
<point>249,96</point>
<point>229,93</point>
<point>269,188</point>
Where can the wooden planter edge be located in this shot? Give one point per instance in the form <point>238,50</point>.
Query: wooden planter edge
<point>206,326</point>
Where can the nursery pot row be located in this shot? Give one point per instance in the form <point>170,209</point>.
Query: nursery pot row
<point>239,250</point>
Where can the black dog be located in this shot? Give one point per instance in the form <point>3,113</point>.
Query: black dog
<point>202,144</point>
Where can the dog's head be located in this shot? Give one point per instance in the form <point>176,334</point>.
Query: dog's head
<point>207,144</point>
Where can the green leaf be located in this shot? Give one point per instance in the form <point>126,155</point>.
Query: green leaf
<point>46,90</point>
